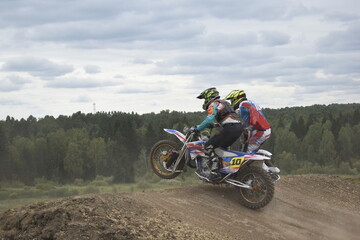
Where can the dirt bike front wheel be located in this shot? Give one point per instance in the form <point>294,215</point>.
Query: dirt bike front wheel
<point>160,155</point>
<point>262,187</point>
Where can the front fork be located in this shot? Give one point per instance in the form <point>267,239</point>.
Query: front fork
<point>181,155</point>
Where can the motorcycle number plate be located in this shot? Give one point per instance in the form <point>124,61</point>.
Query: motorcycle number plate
<point>232,165</point>
<point>236,162</point>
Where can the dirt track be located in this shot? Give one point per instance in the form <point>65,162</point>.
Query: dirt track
<point>304,207</point>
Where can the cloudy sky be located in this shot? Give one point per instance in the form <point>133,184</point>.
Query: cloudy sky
<point>60,57</point>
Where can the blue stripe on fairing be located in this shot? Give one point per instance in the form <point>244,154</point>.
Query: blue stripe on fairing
<point>170,130</point>
<point>240,154</point>
<point>227,159</point>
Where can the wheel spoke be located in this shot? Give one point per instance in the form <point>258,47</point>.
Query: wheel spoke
<point>258,191</point>
<point>159,154</point>
<point>158,157</point>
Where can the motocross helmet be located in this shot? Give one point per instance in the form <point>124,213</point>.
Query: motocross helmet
<point>236,97</point>
<point>209,95</point>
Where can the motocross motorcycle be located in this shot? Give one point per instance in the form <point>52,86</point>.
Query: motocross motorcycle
<point>252,173</point>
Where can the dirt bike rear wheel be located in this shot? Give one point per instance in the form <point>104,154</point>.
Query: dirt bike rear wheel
<point>159,153</point>
<point>262,187</point>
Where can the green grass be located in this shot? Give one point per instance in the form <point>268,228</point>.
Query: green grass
<point>352,178</point>
<point>13,197</point>
<point>15,203</point>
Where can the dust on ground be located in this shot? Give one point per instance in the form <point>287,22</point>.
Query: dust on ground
<point>303,207</point>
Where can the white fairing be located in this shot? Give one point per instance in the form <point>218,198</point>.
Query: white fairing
<point>222,153</point>
<point>259,157</point>
<point>264,152</point>
<point>178,134</point>
<point>194,154</point>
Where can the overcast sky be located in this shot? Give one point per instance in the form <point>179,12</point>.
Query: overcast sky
<point>60,57</point>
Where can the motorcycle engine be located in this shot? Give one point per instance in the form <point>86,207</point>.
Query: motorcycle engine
<point>204,166</point>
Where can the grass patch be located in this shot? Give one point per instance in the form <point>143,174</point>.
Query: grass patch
<point>17,195</point>
<point>15,203</point>
<point>352,178</point>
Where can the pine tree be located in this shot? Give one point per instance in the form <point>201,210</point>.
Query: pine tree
<point>299,128</point>
<point>344,143</point>
<point>327,148</point>
<point>3,154</point>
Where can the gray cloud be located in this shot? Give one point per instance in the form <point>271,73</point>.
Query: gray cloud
<point>81,99</point>
<point>93,23</point>
<point>119,76</point>
<point>79,83</point>
<point>266,68</point>
<point>280,44</point>
<point>114,31</point>
<point>225,68</point>
<point>260,10</point>
<point>226,40</point>
<point>92,69</point>
<point>38,67</point>
<point>346,40</point>
<point>343,17</point>
<point>210,62</point>
<point>33,12</point>
<point>10,102</point>
<point>274,38</point>
<point>142,61</point>
<point>141,90</point>
<point>209,59</point>
<point>313,83</point>
<point>344,63</point>
<point>25,13</point>
<point>12,83</point>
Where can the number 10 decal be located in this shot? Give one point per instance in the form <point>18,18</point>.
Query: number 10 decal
<point>237,161</point>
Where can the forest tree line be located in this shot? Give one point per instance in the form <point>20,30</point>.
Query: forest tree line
<point>314,139</point>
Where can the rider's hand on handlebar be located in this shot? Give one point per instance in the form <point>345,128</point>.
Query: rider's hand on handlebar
<point>193,129</point>
<point>247,133</point>
<point>214,125</point>
<point>217,125</point>
<point>248,129</point>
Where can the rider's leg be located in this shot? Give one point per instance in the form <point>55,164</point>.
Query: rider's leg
<point>227,136</point>
<point>256,139</point>
<point>213,158</point>
<point>210,147</point>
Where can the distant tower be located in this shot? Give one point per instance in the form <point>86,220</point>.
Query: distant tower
<point>94,108</point>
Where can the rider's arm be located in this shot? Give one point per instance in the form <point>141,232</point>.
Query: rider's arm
<point>212,111</point>
<point>250,114</point>
<point>245,113</point>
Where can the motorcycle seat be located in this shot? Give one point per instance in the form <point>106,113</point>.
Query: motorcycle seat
<point>224,153</point>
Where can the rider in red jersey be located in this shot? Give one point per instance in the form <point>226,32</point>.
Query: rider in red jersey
<point>253,117</point>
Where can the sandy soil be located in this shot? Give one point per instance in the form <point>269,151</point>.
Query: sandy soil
<point>303,207</point>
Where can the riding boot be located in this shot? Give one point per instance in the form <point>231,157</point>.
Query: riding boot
<point>214,166</point>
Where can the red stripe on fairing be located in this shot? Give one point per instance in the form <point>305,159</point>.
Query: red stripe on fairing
<point>180,136</point>
<point>196,152</point>
<point>194,146</point>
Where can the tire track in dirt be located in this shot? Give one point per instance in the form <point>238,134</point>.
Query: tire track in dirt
<point>303,207</point>
<point>300,209</point>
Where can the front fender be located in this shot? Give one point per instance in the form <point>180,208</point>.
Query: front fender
<point>256,157</point>
<point>178,134</point>
<point>257,163</point>
<point>256,160</point>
